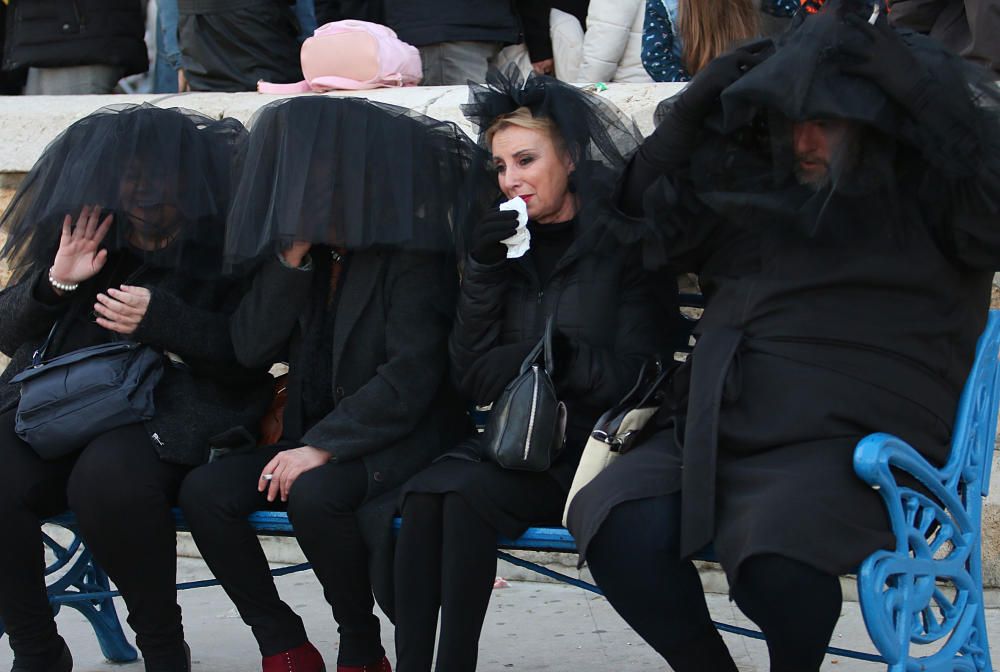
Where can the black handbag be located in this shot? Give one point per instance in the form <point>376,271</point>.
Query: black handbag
<point>71,399</point>
<point>526,429</point>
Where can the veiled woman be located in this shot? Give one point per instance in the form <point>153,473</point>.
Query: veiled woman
<point>117,233</point>
<point>346,208</point>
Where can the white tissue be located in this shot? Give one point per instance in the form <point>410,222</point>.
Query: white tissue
<point>519,243</point>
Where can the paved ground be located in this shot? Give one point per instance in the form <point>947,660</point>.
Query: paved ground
<point>530,626</point>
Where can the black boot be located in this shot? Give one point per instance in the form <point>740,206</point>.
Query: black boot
<point>62,663</point>
<point>175,661</point>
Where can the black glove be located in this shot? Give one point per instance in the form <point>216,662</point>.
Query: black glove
<point>497,225</point>
<point>879,54</point>
<point>487,377</point>
<point>563,352</point>
<point>676,136</point>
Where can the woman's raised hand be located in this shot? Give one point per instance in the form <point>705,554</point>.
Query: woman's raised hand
<point>79,257</point>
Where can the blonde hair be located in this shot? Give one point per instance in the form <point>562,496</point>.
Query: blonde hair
<point>523,118</point>
<point>709,28</point>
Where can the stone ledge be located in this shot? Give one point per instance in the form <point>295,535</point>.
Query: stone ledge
<point>29,123</point>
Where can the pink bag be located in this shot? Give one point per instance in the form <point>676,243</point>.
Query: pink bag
<point>353,55</point>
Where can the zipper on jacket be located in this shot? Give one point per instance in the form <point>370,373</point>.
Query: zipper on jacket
<point>156,439</point>
<point>531,416</point>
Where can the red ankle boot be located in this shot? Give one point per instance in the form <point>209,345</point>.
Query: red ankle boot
<point>381,666</point>
<point>303,658</point>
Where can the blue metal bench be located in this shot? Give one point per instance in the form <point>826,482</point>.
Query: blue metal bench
<point>926,591</point>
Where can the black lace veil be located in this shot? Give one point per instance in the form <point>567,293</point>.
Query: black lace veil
<point>599,137</point>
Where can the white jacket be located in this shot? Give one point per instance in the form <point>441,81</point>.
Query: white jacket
<point>612,45</point>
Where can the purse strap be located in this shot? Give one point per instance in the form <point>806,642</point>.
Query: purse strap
<point>38,357</point>
<point>542,350</point>
<point>39,354</point>
<point>642,395</point>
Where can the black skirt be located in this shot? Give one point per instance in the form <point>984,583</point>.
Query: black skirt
<point>510,501</point>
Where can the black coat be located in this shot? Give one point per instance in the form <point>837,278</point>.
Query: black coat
<point>423,22</point>
<point>195,404</point>
<point>601,299</point>
<point>230,45</point>
<point>808,343</point>
<point>393,409</point>
<point>63,33</point>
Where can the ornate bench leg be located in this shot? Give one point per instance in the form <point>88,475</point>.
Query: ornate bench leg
<point>84,586</point>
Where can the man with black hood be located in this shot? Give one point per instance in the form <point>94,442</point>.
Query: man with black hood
<point>838,196</point>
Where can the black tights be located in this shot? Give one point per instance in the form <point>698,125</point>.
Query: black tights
<point>445,558</point>
<point>636,561</point>
<point>321,506</point>
<point>122,494</point>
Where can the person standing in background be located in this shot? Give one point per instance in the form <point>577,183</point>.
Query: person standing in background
<point>168,54</point>
<point>537,20</point>
<point>612,45</point>
<point>230,45</point>
<point>970,28</point>
<point>457,40</point>
<point>680,37</point>
<point>74,46</point>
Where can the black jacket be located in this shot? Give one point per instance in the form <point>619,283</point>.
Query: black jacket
<point>195,403</point>
<point>601,299</point>
<point>393,407</point>
<point>63,33</point>
<point>389,357</point>
<point>425,22</point>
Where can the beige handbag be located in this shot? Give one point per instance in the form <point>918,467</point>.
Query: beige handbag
<point>616,430</point>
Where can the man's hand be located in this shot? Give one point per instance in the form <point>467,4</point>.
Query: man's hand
<point>545,67</point>
<point>881,56</point>
<point>701,95</point>
<point>287,466</point>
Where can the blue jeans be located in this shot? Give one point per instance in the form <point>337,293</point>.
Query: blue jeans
<point>168,52</point>
<point>305,12</point>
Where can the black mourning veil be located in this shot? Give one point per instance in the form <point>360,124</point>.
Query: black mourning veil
<point>352,173</point>
<point>892,159</point>
<point>598,136</point>
<point>164,174</point>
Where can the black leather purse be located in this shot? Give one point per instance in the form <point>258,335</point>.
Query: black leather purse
<point>71,399</point>
<point>526,429</point>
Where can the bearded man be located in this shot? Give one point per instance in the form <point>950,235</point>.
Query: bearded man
<point>838,197</point>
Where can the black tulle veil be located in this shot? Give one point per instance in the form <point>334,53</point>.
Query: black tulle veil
<point>352,173</point>
<point>745,169</point>
<point>164,175</point>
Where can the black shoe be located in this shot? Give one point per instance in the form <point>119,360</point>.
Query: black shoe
<point>64,663</point>
<point>177,661</point>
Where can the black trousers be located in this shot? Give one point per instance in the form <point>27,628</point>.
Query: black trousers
<point>217,498</point>
<point>635,558</point>
<point>122,494</point>
<point>445,559</point>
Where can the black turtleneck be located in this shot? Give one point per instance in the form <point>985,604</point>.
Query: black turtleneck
<point>549,243</point>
